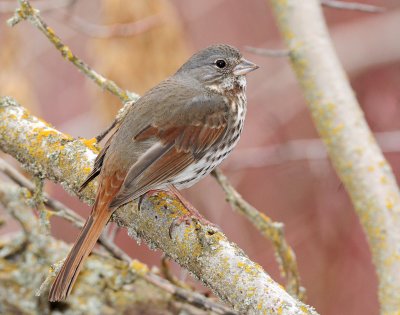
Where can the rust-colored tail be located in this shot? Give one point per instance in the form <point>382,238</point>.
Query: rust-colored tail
<point>83,246</point>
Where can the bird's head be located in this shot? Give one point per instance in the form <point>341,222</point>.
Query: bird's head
<point>220,68</point>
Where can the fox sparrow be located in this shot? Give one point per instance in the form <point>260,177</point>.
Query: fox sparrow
<point>175,134</point>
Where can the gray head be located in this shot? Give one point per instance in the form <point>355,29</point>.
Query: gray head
<point>218,67</point>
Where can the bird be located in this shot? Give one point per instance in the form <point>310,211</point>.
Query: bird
<point>172,137</point>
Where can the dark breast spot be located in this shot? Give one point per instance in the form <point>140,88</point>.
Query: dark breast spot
<point>238,127</point>
<point>233,139</point>
<point>187,180</point>
<point>222,146</point>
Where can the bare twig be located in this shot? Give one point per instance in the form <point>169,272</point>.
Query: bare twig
<point>357,158</point>
<point>268,52</point>
<point>354,6</point>
<point>271,230</point>
<point>27,12</point>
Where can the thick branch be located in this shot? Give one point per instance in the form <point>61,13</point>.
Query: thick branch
<point>204,251</point>
<point>101,288</point>
<point>351,146</point>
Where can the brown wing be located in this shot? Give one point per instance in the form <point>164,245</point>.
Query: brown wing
<point>98,163</point>
<point>195,138</point>
<point>181,138</point>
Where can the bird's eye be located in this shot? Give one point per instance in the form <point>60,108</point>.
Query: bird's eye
<point>220,63</point>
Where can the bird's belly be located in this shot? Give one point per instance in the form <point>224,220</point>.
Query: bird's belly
<point>196,171</point>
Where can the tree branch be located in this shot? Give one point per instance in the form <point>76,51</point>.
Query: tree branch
<point>64,212</point>
<point>201,249</point>
<point>358,161</point>
<point>271,230</point>
<point>27,12</point>
<point>138,287</point>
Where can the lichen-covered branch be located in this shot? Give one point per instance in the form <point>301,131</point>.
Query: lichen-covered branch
<point>201,249</point>
<point>271,230</point>
<point>351,146</point>
<point>107,285</point>
<point>66,213</point>
<point>63,211</point>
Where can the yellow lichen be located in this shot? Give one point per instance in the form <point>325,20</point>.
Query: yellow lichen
<point>87,170</point>
<point>247,268</point>
<point>139,267</point>
<point>389,204</point>
<point>371,168</point>
<point>91,144</point>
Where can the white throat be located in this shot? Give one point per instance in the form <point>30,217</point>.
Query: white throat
<point>229,84</point>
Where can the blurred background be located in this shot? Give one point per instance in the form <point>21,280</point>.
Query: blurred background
<point>280,166</point>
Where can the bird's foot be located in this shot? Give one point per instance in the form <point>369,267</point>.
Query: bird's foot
<point>188,218</point>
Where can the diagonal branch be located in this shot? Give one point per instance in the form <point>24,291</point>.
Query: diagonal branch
<point>204,251</point>
<point>351,146</point>
<point>27,12</point>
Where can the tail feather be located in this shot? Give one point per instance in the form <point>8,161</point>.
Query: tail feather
<point>87,239</point>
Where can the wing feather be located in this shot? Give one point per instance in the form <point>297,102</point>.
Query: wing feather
<point>181,137</point>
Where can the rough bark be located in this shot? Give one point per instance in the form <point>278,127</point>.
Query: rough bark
<point>351,146</point>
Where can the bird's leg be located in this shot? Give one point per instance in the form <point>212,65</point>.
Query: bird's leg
<point>188,206</point>
<point>192,212</point>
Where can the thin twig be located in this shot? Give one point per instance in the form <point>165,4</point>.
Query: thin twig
<point>271,230</point>
<point>27,12</point>
<point>273,53</point>
<point>354,6</point>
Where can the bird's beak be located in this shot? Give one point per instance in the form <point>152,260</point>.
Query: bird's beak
<point>244,67</point>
